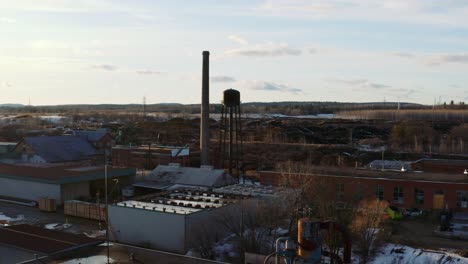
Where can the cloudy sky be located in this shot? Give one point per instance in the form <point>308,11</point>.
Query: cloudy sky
<point>116,51</point>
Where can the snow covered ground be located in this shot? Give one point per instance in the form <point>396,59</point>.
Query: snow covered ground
<point>388,254</point>
<point>6,220</point>
<point>95,233</point>
<point>90,260</point>
<point>399,254</point>
<point>56,226</point>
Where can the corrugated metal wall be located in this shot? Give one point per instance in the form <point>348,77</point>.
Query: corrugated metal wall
<point>29,190</point>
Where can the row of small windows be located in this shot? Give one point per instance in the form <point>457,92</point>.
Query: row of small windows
<point>398,195</point>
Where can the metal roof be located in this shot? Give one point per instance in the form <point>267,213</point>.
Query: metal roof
<point>61,174</point>
<point>389,164</point>
<point>168,175</point>
<point>91,135</point>
<point>61,148</point>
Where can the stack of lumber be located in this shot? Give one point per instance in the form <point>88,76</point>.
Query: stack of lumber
<point>47,204</point>
<point>85,210</point>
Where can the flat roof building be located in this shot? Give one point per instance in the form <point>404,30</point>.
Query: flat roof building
<point>169,221</point>
<point>59,182</point>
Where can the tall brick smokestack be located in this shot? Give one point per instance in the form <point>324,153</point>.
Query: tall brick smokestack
<point>205,110</point>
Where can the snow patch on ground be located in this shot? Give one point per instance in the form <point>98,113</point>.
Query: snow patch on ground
<point>57,226</point>
<point>105,244</point>
<point>399,254</point>
<point>96,233</point>
<point>191,253</point>
<point>280,231</point>
<point>90,260</point>
<point>51,226</point>
<point>6,220</point>
<point>224,248</point>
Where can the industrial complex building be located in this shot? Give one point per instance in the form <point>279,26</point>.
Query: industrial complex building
<point>60,182</point>
<point>179,216</point>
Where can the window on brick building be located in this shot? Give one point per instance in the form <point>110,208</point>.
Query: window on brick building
<point>359,194</point>
<point>398,195</point>
<point>379,192</point>
<point>462,199</point>
<point>418,196</point>
<point>340,191</point>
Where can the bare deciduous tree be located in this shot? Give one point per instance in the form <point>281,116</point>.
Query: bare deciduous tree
<point>366,227</point>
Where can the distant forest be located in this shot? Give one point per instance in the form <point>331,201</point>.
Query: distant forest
<point>285,108</point>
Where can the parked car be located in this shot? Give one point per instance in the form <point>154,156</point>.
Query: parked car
<point>413,212</point>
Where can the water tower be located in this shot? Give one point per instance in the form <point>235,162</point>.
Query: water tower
<point>230,136</point>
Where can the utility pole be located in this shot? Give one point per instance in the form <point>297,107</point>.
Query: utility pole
<point>144,108</point>
<point>107,212</point>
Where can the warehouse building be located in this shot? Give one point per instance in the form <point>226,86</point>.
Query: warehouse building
<point>60,182</point>
<point>170,221</point>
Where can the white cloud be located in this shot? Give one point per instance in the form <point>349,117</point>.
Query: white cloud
<point>360,83</point>
<point>222,78</point>
<point>403,54</point>
<point>432,12</point>
<point>57,6</point>
<point>149,72</point>
<point>6,85</point>
<point>266,50</point>
<point>238,39</point>
<point>436,60</point>
<point>104,67</point>
<point>270,86</point>
<point>7,20</point>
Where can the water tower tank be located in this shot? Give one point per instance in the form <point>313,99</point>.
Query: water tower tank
<point>231,98</point>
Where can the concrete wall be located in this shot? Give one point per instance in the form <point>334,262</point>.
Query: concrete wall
<point>73,191</point>
<point>29,190</point>
<point>158,230</point>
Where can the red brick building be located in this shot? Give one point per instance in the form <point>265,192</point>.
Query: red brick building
<point>149,157</point>
<point>403,189</point>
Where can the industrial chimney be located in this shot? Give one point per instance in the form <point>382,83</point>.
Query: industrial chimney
<point>205,110</point>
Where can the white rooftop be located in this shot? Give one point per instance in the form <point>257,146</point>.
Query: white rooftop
<point>179,202</point>
<point>159,207</point>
